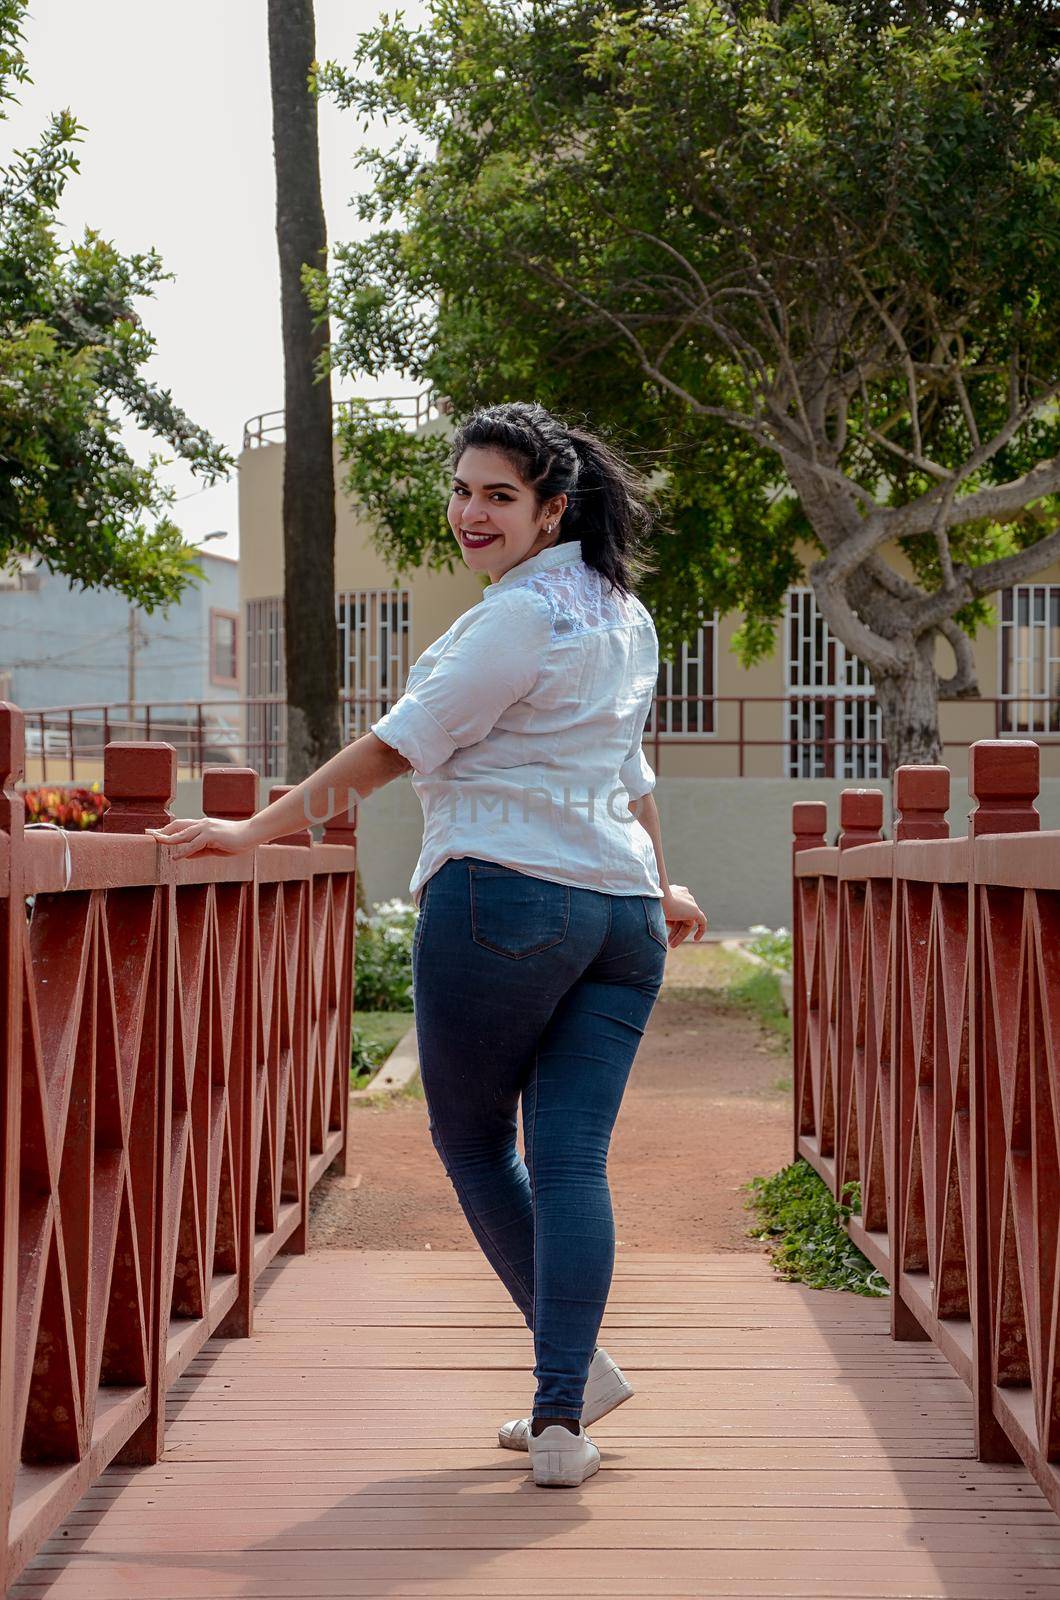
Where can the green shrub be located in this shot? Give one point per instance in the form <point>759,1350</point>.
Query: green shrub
<point>374,1035</point>
<point>365,1057</point>
<point>804,1226</point>
<point>383,970</point>
<point>772,945</point>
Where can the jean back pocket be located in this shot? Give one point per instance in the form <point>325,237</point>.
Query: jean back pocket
<point>653,916</point>
<point>514,914</point>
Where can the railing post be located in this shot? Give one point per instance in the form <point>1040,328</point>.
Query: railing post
<point>12,955</point>
<point>809,823</point>
<point>300,836</point>
<point>860,823</point>
<point>298,1242</point>
<point>231,793</point>
<point>921,801</point>
<point>342,829</point>
<point>140,781</point>
<point>1004,780</point>
<point>860,817</point>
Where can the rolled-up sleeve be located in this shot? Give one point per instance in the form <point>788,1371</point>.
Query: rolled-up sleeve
<point>490,664</point>
<point>637,775</point>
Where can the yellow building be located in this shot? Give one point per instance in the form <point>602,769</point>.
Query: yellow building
<point>805,712</point>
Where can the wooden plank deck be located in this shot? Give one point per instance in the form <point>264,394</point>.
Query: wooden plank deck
<point>779,1445</point>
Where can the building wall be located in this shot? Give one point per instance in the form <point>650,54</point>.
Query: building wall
<point>438,598</point>
<point>64,646</point>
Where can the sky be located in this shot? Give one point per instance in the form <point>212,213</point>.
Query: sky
<point>177,154</point>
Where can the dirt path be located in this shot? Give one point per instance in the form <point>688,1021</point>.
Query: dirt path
<point>706,1108</point>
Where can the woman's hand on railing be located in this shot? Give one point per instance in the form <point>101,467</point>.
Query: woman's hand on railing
<point>195,835</point>
<point>683,916</point>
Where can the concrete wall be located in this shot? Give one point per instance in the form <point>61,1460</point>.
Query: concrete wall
<point>64,646</point>
<point>729,840</point>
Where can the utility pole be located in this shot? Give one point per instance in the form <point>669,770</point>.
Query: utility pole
<point>135,641</point>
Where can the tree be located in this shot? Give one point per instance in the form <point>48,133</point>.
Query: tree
<point>310,634</point>
<point>803,258</point>
<point>72,347</point>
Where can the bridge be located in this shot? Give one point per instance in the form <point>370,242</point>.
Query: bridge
<point>193,1403</point>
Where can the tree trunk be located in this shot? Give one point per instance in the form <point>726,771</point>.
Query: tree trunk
<point>310,632</point>
<point>909,705</point>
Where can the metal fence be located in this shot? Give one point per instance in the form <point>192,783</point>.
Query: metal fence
<point>808,736</point>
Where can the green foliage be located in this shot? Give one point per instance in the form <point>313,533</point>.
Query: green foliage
<point>383,967</point>
<point>805,1227</point>
<point>800,247</point>
<point>772,945</point>
<point>373,1037</point>
<point>758,991</point>
<point>72,353</point>
<point>400,479</point>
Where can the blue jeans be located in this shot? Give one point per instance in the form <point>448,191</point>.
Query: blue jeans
<point>541,990</point>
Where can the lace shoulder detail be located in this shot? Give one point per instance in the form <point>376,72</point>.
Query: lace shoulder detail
<point>581,600</point>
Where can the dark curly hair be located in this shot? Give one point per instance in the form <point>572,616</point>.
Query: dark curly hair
<point>608,508</point>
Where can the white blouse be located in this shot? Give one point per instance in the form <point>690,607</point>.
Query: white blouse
<point>523,726</point>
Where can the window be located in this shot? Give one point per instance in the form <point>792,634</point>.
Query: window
<point>834,726</point>
<point>266,711</point>
<point>685,690</point>
<point>224,647</point>
<point>1030,659</point>
<point>375,644</point>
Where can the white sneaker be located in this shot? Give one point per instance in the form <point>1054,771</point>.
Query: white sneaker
<point>561,1459</point>
<point>605,1388</point>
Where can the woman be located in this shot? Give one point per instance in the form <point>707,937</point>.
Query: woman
<point>544,908</point>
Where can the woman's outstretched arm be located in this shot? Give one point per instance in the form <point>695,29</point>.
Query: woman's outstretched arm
<point>351,775</point>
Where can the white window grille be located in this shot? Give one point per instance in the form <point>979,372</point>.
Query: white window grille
<point>686,688</point>
<point>375,644</point>
<point>1030,658</point>
<point>833,725</point>
<point>266,711</point>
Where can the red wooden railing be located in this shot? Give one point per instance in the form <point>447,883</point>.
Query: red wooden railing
<point>926,1069</point>
<point>176,1047</point>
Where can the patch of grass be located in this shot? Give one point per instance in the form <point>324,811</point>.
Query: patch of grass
<point>375,1033</point>
<point>757,989</point>
<point>724,977</point>
<point>803,1226</point>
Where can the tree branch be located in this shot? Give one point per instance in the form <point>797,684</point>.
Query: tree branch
<point>880,655</point>
<point>994,502</point>
<point>965,682</point>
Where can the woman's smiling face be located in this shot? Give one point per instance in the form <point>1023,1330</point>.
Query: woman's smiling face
<point>495,516</point>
